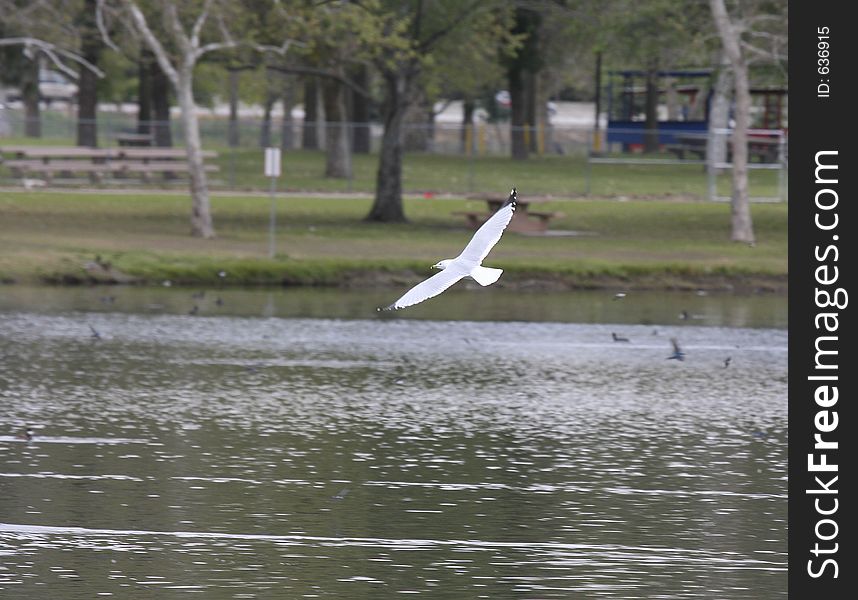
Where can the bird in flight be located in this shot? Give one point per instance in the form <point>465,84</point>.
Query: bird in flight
<point>467,264</point>
<point>678,354</point>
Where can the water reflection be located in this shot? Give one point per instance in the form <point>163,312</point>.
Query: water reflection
<point>239,456</point>
<point>463,302</point>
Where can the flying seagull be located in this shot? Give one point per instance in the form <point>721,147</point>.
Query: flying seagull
<point>678,354</point>
<point>467,264</point>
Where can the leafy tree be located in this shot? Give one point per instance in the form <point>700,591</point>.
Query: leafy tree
<point>410,36</point>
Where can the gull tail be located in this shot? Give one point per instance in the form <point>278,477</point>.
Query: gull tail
<point>485,275</point>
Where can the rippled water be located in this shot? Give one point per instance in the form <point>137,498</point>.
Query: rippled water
<point>268,457</point>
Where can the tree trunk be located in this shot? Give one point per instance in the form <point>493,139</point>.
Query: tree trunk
<point>742,225</point>
<point>5,125</point>
<point>743,230</point>
<point>518,113</point>
<point>161,106</point>
<point>338,161</point>
<point>719,119</point>
<point>287,133</point>
<point>91,46</point>
<point>387,206</point>
<point>30,97</point>
<point>201,219</point>
<point>465,138</point>
<point>265,130</point>
<point>232,135</point>
<point>144,92</point>
<point>531,108</point>
<point>360,114</point>
<point>651,110</point>
<point>671,99</point>
<point>309,139</point>
<point>417,126</point>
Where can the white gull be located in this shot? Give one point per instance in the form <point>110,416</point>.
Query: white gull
<point>467,264</point>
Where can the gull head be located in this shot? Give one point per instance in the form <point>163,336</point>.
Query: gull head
<point>442,264</point>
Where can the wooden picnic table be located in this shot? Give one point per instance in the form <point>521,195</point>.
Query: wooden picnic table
<point>524,220</point>
<point>131,138</point>
<point>764,148</point>
<point>49,161</point>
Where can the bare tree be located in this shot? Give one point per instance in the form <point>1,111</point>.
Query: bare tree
<point>186,34</point>
<point>177,54</point>
<point>766,23</point>
<point>741,223</point>
<point>719,116</point>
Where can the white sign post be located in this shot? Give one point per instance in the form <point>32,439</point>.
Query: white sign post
<point>272,170</point>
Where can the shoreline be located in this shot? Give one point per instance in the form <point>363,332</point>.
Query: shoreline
<point>368,278</point>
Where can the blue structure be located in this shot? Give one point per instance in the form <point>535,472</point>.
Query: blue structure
<point>626,98</point>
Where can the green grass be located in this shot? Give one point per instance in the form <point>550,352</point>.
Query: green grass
<point>555,175</point>
<point>50,236</point>
<point>562,176</point>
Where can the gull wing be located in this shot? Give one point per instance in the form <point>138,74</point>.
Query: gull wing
<point>489,233</point>
<point>428,288</point>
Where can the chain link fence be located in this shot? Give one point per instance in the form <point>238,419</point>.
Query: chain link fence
<point>562,160</point>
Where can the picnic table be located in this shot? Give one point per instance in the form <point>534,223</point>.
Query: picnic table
<point>763,148</point>
<point>131,138</point>
<point>524,220</point>
<point>50,161</point>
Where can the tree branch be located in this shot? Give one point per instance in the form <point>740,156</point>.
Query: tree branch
<point>199,24</point>
<point>53,52</point>
<point>427,44</point>
<point>140,24</point>
<point>322,73</point>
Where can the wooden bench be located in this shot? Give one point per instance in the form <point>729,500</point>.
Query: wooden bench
<point>130,138</point>
<point>96,170</point>
<point>680,149</point>
<point>764,149</point>
<point>98,162</point>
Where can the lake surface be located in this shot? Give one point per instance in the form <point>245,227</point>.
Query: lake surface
<point>297,444</point>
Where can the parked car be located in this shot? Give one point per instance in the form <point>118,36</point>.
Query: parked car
<point>53,87</point>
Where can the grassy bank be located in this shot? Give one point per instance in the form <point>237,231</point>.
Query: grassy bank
<point>56,236</point>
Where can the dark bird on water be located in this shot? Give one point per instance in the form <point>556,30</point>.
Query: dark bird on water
<point>27,434</point>
<point>618,338</point>
<point>194,310</point>
<point>678,354</point>
<point>683,315</point>
<point>727,361</point>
